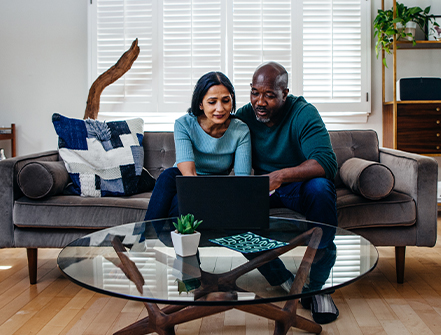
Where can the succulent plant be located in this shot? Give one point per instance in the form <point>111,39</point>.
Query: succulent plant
<point>187,224</point>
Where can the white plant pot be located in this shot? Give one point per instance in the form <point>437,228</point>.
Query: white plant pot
<point>185,244</point>
<point>409,28</point>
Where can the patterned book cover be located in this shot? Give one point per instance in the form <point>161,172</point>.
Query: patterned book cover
<point>248,243</point>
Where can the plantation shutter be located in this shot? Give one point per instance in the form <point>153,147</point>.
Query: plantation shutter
<point>193,44</point>
<point>323,44</point>
<point>118,24</point>
<point>336,57</point>
<point>261,32</point>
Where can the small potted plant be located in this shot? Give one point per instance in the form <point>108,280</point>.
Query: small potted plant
<point>185,238</point>
<point>384,29</point>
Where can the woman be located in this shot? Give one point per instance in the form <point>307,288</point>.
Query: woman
<point>208,139</point>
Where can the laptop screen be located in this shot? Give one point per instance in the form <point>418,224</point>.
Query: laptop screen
<point>225,202</point>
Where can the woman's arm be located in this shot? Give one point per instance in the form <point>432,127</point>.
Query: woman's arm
<point>184,149</point>
<point>187,168</point>
<point>242,157</point>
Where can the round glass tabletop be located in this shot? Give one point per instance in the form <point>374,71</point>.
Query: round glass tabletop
<point>137,261</point>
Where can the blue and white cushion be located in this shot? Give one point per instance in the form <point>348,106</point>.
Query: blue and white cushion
<point>102,158</point>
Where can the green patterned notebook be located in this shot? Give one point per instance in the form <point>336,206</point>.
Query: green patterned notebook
<point>248,243</point>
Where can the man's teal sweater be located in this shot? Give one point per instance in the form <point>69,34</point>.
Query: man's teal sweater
<point>299,135</point>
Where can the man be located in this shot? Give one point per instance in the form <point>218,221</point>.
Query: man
<point>291,144</point>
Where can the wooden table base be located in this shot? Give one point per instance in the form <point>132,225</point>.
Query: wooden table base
<point>222,287</point>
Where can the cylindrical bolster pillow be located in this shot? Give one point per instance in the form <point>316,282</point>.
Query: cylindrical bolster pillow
<point>39,179</point>
<point>370,179</point>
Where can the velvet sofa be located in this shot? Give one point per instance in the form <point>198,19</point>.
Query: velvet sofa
<point>406,217</point>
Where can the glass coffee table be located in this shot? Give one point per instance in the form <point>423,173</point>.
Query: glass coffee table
<point>232,269</point>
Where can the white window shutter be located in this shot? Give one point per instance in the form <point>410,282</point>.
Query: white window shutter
<point>193,44</point>
<point>118,24</point>
<point>261,32</point>
<point>323,44</point>
<point>335,58</point>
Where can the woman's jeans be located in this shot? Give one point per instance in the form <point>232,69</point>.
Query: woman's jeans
<point>164,200</point>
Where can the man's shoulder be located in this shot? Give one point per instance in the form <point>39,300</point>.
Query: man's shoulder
<point>297,102</point>
<point>244,111</point>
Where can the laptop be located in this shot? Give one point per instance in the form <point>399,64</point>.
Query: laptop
<point>225,202</point>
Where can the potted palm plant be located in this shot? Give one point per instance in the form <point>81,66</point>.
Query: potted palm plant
<point>402,26</point>
<point>185,238</point>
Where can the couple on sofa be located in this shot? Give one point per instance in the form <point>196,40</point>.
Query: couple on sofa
<point>277,134</point>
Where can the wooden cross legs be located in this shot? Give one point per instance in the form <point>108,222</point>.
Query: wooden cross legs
<point>222,287</point>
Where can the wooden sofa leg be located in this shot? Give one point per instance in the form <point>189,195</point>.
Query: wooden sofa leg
<point>32,264</point>
<point>400,255</point>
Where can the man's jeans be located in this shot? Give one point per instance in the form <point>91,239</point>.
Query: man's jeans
<point>316,199</point>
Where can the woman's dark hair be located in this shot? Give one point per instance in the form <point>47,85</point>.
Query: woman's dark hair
<point>203,85</point>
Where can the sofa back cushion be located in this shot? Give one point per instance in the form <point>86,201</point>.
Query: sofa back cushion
<point>159,151</point>
<point>354,143</point>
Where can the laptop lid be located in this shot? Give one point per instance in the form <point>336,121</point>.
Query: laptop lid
<point>227,202</point>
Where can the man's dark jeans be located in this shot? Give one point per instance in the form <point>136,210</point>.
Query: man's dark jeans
<point>316,199</point>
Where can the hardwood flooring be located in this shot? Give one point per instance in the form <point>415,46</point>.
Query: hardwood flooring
<point>375,304</point>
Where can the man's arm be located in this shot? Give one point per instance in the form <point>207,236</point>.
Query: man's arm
<point>307,170</point>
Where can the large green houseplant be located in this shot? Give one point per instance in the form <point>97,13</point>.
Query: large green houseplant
<point>384,28</point>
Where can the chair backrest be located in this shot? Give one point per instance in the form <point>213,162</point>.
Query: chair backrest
<point>354,143</point>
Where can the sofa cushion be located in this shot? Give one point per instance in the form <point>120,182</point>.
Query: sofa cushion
<point>355,211</point>
<point>370,179</point>
<point>353,143</point>
<point>72,211</point>
<point>102,158</point>
<point>39,179</point>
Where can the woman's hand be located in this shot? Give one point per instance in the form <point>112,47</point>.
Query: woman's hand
<point>187,168</point>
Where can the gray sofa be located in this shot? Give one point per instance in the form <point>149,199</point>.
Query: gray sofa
<point>407,217</point>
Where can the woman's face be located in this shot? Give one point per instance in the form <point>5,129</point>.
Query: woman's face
<point>217,104</point>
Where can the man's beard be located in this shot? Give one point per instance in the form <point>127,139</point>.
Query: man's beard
<point>263,120</point>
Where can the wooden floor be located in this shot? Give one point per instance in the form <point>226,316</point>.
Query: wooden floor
<point>373,305</point>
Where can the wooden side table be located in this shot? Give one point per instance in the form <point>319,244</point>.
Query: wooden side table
<point>8,133</point>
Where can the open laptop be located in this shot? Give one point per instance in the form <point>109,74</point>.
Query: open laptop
<point>225,202</point>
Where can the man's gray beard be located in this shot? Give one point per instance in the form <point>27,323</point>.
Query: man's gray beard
<point>262,119</point>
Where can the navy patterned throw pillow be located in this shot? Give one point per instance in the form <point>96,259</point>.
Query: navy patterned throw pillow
<point>102,158</point>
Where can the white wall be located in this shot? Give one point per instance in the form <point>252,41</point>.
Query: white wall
<point>43,68</point>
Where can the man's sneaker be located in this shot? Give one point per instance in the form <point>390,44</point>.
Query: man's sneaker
<point>322,307</point>
<point>287,285</point>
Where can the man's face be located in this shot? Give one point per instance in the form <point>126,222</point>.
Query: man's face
<point>266,98</point>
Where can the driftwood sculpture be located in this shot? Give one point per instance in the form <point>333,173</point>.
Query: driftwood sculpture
<point>110,76</point>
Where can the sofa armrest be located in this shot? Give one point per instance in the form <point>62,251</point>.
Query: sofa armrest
<point>9,190</point>
<point>417,176</point>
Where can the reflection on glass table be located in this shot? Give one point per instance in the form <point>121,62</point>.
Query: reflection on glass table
<point>137,261</point>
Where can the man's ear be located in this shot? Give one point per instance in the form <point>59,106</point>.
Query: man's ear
<point>285,93</point>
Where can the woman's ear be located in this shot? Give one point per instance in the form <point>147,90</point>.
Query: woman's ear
<point>201,107</point>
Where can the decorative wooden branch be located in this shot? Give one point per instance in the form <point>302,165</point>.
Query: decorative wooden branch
<point>110,76</point>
